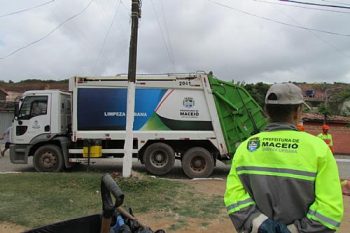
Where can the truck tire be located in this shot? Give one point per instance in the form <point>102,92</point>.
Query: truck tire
<point>48,158</point>
<point>197,162</point>
<point>159,158</point>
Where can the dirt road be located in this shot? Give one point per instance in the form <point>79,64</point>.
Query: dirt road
<point>223,225</point>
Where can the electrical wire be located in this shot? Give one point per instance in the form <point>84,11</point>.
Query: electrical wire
<point>167,32</point>
<point>315,35</point>
<point>49,33</point>
<point>98,60</point>
<point>276,21</point>
<point>27,9</point>
<point>127,11</point>
<point>346,4</point>
<point>303,7</point>
<point>316,4</point>
<point>168,48</point>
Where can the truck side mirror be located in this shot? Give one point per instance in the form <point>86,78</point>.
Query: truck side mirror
<point>16,110</point>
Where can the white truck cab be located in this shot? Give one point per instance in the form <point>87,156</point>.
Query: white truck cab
<point>43,116</point>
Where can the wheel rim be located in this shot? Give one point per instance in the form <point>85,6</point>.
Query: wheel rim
<point>159,159</point>
<point>198,164</point>
<point>48,160</point>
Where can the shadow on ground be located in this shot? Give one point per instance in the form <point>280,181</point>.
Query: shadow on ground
<point>220,171</point>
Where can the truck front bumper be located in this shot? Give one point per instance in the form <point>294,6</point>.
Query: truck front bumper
<point>19,153</point>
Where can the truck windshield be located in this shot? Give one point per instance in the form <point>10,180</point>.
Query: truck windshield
<point>33,106</point>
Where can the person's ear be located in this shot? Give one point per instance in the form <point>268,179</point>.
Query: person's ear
<point>300,109</point>
<point>297,114</point>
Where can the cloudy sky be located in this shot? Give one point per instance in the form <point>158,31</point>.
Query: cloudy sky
<point>241,40</point>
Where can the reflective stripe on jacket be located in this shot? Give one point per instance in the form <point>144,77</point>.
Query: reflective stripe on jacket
<point>287,175</point>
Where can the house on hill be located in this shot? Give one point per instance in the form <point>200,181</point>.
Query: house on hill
<point>3,95</point>
<point>317,94</point>
<point>13,96</point>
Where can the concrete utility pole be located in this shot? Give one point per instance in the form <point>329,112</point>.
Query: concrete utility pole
<point>128,145</point>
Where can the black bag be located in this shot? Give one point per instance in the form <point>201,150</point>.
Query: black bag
<point>136,227</point>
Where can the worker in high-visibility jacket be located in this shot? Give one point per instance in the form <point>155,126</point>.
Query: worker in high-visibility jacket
<point>280,178</point>
<point>326,137</point>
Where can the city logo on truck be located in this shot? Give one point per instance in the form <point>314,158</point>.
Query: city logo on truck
<point>189,103</point>
<point>36,125</point>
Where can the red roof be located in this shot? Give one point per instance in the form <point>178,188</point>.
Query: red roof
<point>317,117</point>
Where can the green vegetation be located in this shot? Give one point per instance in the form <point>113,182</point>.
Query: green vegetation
<point>325,111</point>
<point>178,224</point>
<point>258,91</point>
<point>37,199</point>
<point>340,97</point>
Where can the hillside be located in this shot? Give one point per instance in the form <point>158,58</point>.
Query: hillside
<point>31,84</point>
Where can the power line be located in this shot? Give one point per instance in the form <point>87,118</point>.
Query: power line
<point>107,34</point>
<point>346,4</point>
<point>49,33</point>
<point>167,31</point>
<point>303,7</point>
<point>126,8</point>
<point>316,4</point>
<point>27,9</point>
<point>279,22</point>
<point>168,48</point>
<point>314,34</point>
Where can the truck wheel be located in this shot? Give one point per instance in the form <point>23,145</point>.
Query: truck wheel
<point>159,158</point>
<point>48,158</point>
<point>197,162</point>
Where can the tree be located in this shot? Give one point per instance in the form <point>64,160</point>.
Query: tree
<point>339,97</point>
<point>342,95</point>
<point>325,111</point>
<point>258,91</point>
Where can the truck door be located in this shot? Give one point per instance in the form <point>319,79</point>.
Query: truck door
<point>33,118</point>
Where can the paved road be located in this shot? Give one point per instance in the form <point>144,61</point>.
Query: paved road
<point>109,165</point>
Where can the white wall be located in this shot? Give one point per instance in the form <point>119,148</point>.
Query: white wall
<point>5,120</point>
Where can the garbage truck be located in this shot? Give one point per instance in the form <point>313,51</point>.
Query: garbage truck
<point>194,117</point>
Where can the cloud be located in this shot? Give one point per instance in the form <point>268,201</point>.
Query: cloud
<point>176,36</point>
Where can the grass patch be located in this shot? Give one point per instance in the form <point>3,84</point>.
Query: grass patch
<point>205,224</point>
<point>36,199</point>
<point>178,225</point>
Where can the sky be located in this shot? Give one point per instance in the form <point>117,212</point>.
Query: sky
<point>242,40</point>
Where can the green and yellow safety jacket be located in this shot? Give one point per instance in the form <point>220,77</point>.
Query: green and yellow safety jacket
<point>327,138</point>
<point>285,175</point>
